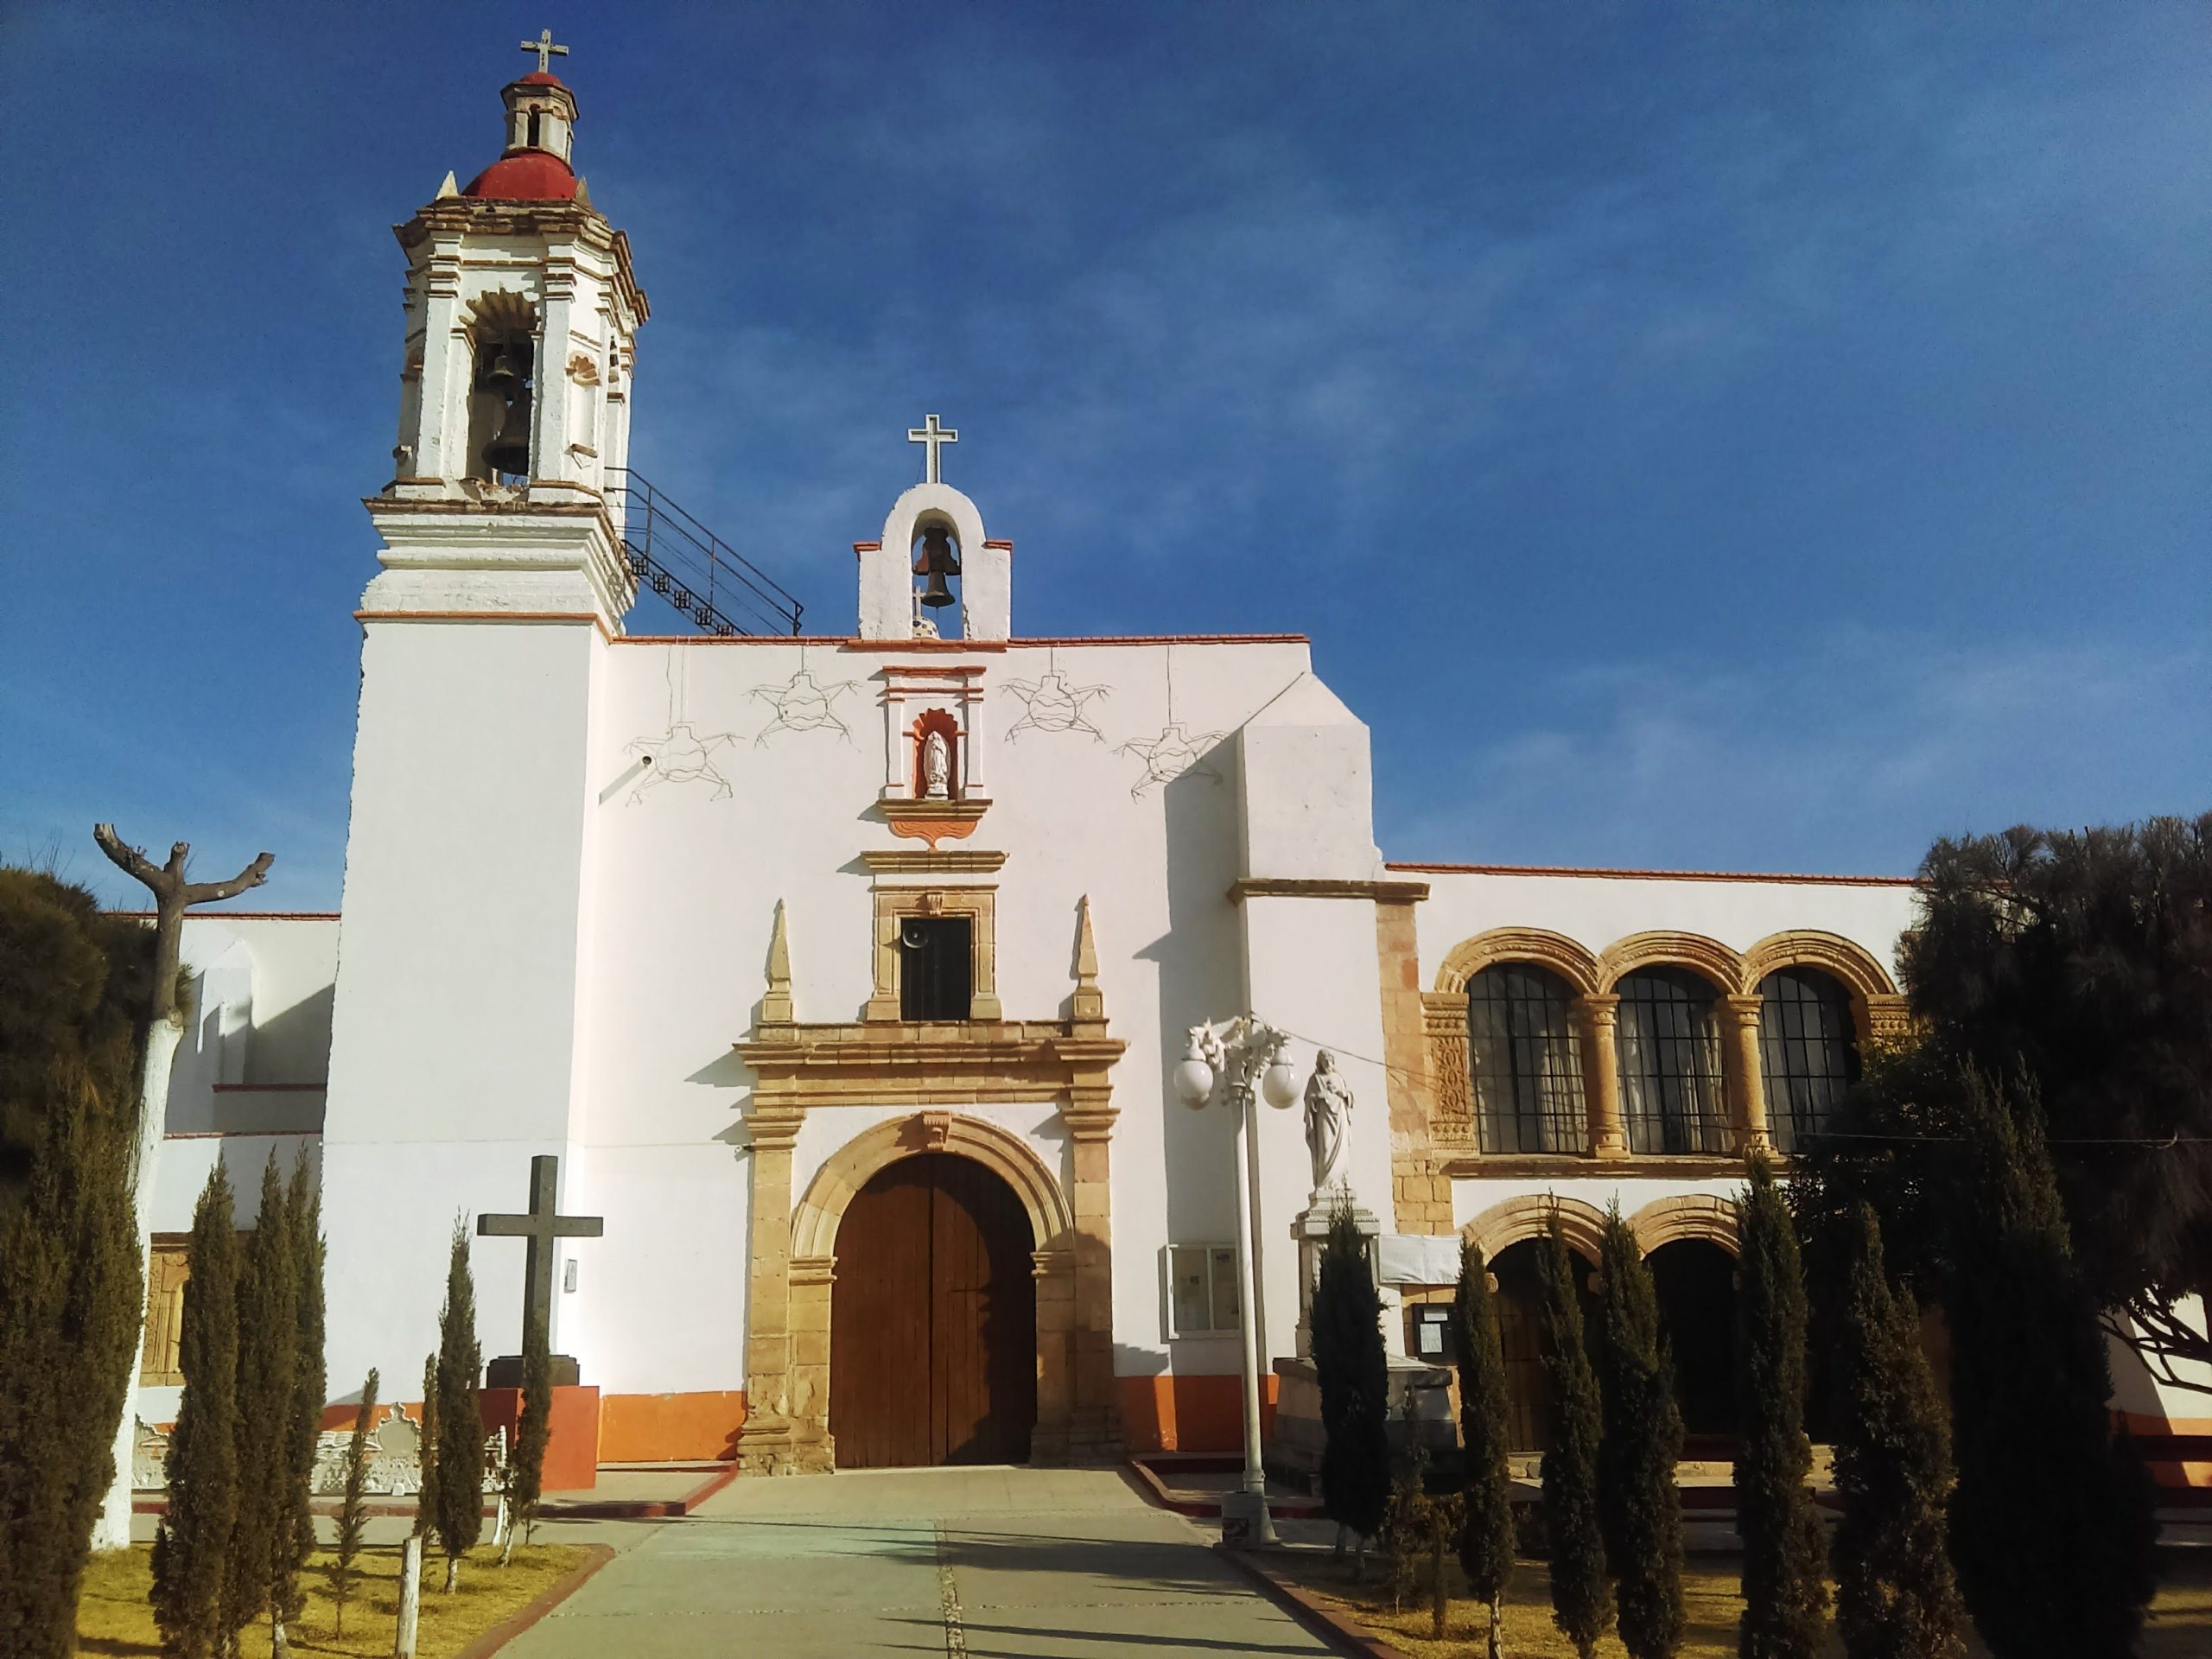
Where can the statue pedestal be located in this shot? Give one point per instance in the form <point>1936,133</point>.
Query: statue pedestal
<point>1296,1442</point>
<point>572,1446</point>
<point>1310,1228</point>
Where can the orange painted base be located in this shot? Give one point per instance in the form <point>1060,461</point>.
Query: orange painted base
<point>1190,1413</point>
<point>572,1450</point>
<point>669,1428</point>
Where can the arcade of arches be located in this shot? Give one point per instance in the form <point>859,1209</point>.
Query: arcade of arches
<point>1664,1044</point>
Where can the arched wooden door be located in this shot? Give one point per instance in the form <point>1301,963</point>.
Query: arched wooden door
<point>933,1320</point>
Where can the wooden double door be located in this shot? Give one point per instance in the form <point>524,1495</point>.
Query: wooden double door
<point>933,1320</point>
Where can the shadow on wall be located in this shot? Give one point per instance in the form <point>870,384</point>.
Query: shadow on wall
<point>294,1044</point>
<point>1200,967</point>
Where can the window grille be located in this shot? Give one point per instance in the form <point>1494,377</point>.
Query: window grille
<point>1525,1061</point>
<point>1669,1040</point>
<point>1201,1298</point>
<point>936,967</point>
<point>1808,1052</point>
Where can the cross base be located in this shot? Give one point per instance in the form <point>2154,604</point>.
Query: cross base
<point>506,1372</point>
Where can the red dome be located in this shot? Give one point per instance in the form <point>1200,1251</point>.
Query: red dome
<point>542,77</point>
<point>524,175</point>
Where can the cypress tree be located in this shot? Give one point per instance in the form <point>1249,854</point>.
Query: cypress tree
<point>1785,1577</point>
<point>353,1506</point>
<point>1896,1596</point>
<point>1353,1372</point>
<point>525,1471</point>
<point>1639,1505</point>
<point>303,1221</point>
<point>426,1454</point>
<point>69,1287</point>
<point>268,1352</point>
<point>1487,1536</point>
<point>1582,1599</point>
<point>2052,1526</point>
<point>71,995</point>
<point>194,1538</point>
<point>461,1424</point>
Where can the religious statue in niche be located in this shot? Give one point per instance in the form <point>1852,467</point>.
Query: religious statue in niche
<point>1328,1116</point>
<point>936,737</point>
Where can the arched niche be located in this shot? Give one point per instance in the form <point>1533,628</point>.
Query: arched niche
<point>814,1221</point>
<point>1708,958</point>
<point>1581,1224</point>
<point>1689,1215</point>
<point>887,567</point>
<point>1571,961</point>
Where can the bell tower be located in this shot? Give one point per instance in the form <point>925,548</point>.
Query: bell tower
<point>460,1018</point>
<point>522,316</point>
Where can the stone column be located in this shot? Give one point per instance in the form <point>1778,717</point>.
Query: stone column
<point>1054,1274</point>
<point>765,1446</point>
<point>1746,1075</point>
<point>1094,1416</point>
<point>1593,1017</point>
<point>807,1390</point>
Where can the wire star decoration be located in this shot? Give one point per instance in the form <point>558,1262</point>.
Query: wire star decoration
<point>1170,755</point>
<point>1051,704</point>
<point>681,756</point>
<point>802,705</point>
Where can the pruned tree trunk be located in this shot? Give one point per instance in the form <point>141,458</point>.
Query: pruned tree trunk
<point>1497,1647</point>
<point>173,895</point>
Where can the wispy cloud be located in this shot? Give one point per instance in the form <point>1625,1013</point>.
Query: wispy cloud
<point>1852,755</point>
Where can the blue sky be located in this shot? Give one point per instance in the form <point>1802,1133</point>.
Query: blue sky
<point>1694,435</point>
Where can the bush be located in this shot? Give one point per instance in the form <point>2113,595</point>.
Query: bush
<point>1353,1371</point>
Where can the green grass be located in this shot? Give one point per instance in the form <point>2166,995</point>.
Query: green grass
<point>113,1616</point>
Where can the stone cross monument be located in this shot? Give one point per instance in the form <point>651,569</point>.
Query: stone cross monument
<point>540,1226</point>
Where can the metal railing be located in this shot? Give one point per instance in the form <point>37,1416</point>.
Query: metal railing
<point>699,575</point>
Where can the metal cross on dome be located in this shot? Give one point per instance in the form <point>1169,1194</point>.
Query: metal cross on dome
<point>931,437</point>
<point>546,51</point>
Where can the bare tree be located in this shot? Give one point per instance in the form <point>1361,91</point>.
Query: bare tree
<point>172,896</point>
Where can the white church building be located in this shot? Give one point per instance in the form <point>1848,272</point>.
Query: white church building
<point>848,976</point>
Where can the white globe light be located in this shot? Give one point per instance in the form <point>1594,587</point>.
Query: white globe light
<point>1279,1084</point>
<point>1193,1081</point>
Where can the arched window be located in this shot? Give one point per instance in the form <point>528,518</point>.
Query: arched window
<point>1524,1061</point>
<point>1808,1051</point>
<point>1669,1039</point>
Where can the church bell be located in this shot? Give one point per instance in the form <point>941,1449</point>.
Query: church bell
<point>510,451</point>
<point>937,562</point>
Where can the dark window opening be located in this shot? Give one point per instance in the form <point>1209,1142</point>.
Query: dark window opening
<point>1526,1063</point>
<point>499,407</point>
<point>936,967</point>
<point>1696,1280</point>
<point>532,140</point>
<point>1808,1053</point>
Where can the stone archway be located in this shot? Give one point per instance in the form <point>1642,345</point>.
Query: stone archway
<point>814,1223</point>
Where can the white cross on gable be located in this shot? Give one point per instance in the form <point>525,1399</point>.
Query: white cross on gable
<point>931,437</point>
<point>546,51</point>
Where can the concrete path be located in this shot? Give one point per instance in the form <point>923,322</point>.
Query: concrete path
<point>992,1563</point>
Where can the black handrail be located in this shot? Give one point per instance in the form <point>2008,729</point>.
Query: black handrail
<point>700,576</point>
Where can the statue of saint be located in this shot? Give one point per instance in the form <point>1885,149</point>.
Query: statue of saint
<point>1328,1115</point>
<point>936,767</point>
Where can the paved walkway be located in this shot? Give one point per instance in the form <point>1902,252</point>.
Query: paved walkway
<point>993,1563</point>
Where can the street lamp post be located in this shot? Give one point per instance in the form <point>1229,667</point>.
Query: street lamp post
<point>1247,1054</point>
